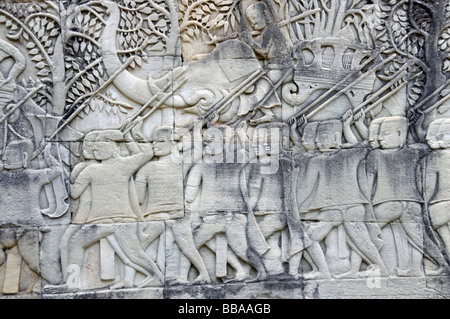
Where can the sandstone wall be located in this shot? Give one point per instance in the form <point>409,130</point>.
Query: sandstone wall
<point>224,149</point>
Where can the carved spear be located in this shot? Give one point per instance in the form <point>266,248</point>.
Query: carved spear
<point>282,23</point>
<point>268,95</point>
<point>241,88</point>
<point>437,104</point>
<point>153,109</point>
<point>343,81</point>
<point>15,107</point>
<point>385,97</point>
<point>431,96</point>
<point>81,108</point>
<point>130,121</point>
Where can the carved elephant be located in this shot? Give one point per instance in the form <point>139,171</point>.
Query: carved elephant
<point>208,81</point>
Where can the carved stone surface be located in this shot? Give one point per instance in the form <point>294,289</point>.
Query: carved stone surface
<point>225,149</point>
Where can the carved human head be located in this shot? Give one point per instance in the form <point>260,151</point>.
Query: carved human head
<point>213,141</point>
<point>257,15</point>
<point>329,135</point>
<point>266,140</point>
<point>433,136</point>
<point>162,140</point>
<point>106,144</point>
<point>374,131</point>
<point>443,136</point>
<point>393,132</point>
<point>309,136</point>
<point>17,154</point>
<point>88,145</point>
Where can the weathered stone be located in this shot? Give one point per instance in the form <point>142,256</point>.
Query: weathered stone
<point>224,149</point>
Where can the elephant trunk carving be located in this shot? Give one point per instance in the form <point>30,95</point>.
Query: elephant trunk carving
<point>132,87</point>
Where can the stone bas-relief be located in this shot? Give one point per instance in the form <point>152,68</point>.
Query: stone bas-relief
<point>224,149</point>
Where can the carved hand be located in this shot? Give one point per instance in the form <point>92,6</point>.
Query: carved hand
<point>348,117</point>
<point>303,121</point>
<point>245,36</point>
<point>360,116</point>
<point>293,122</point>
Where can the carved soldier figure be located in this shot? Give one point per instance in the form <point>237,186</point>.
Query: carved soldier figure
<point>112,203</point>
<point>339,197</point>
<point>374,131</point>
<point>153,181</point>
<point>268,186</point>
<point>222,204</point>
<point>301,188</point>
<point>80,208</point>
<point>273,49</point>
<point>436,179</point>
<point>108,179</point>
<point>8,87</point>
<point>21,185</point>
<point>397,196</point>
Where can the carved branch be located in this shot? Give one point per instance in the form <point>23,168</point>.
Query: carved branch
<point>81,73</point>
<point>188,13</point>
<point>42,14</point>
<point>421,3</point>
<point>84,36</point>
<point>161,9</point>
<point>32,37</point>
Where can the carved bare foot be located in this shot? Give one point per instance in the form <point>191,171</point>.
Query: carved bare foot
<point>296,276</point>
<point>437,272</point>
<point>151,282</point>
<point>347,275</point>
<point>262,275</point>
<point>317,275</point>
<point>180,280</point>
<point>409,273</point>
<point>202,280</point>
<point>121,284</point>
<point>366,274</point>
<point>239,277</point>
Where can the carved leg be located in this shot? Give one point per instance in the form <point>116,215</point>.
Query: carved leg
<point>318,258</point>
<point>221,256</point>
<point>107,268</point>
<point>184,238</point>
<point>127,237</point>
<point>237,240</point>
<point>444,233</point>
<point>234,262</point>
<point>271,226</point>
<point>148,233</point>
<point>359,235</point>
<point>64,247</point>
<point>208,229</point>
<point>84,237</point>
<point>294,264</point>
<point>402,247</point>
<point>440,219</point>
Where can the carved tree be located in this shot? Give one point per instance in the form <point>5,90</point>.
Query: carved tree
<point>83,62</point>
<point>202,21</point>
<point>146,28</point>
<point>333,17</point>
<point>36,26</point>
<point>416,31</point>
